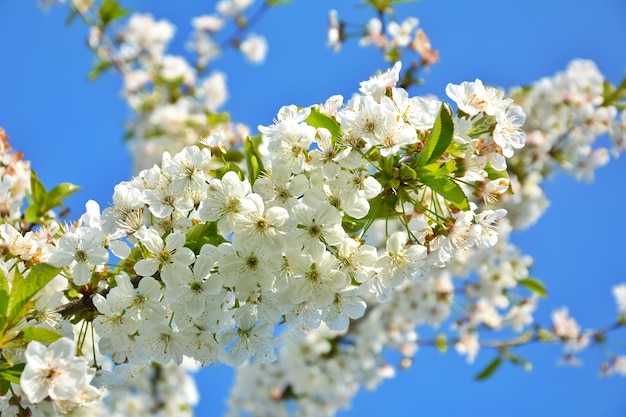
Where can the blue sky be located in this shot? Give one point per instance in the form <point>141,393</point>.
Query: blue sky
<point>71,129</point>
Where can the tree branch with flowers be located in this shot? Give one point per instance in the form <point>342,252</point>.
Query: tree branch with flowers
<point>318,244</point>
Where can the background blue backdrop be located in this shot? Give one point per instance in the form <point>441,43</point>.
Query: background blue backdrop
<point>71,130</point>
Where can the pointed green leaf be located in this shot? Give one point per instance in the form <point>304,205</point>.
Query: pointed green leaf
<point>98,69</point>
<point>39,334</point>
<point>13,373</point>
<point>440,137</point>
<point>534,285</point>
<point>73,15</point>
<point>254,161</point>
<point>58,194</point>
<point>447,188</point>
<point>441,343</point>
<point>203,234</point>
<point>37,189</point>
<point>25,288</point>
<point>4,294</point>
<point>490,369</point>
<point>319,119</point>
<point>111,10</point>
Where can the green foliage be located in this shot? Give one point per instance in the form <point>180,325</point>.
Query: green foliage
<point>39,334</point>
<point>203,234</point>
<point>11,373</point>
<point>41,201</point>
<point>98,69</point>
<point>110,11</point>
<point>447,188</point>
<point>489,369</point>
<point>24,289</point>
<point>381,207</point>
<point>254,161</point>
<point>319,119</point>
<point>534,285</point>
<point>440,137</point>
<point>441,343</point>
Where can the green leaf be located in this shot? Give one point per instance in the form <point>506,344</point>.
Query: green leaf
<point>493,174</point>
<point>111,10</point>
<point>381,207</point>
<point>58,194</point>
<point>37,189</point>
<point>4,294</point>
<point>534,285</point>
<point>39,334</point>
<point>98,69</point>
<point>517,360</point>
<point>489,370</point>
<point>13,373</point>
<point>440,137</point>
<point>254,161</point>
<point>319,119</point>
<point>216,119</point>
<point>73,15</point>
<point>203,234</point>
<point>447,188</point>
<point>23,289</point>
<point>441,343</point>
<point>43,201</point>
<point>219,173</point>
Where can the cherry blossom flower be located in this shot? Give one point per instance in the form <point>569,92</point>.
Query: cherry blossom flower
<point>82,250</point>
<point>54,371</point>
<point>171,259</point>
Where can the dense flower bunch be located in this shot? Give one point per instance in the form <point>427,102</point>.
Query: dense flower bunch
<point>212,262</point>
<point>173,99</point>
<point>322,373</point>
<point>300,255</point>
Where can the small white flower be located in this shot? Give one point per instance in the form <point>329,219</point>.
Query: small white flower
<point>54,371</point>
<point>80,249</point>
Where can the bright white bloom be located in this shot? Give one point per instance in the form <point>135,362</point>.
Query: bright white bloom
<point>165,343</point>
<point>114,323</point>
<point>334,31</point>
<point>144,33</point>
<point>54,371</point>
<point>172,259</point>
<point>209,23</point>
<point>316,229</point>
<point>175,68</point>
<point>82,250</point>
<point>377,85</point>
<point>213,91</point>
<point>281,188</point>
<point>247,267</point>
<point>484,232</point>
<point>254,47</point>
<point>565,326</point>
<point>468,345</point>
<point>232,8</point>
<point>251,339</point>
<point>401,33</point>
<point>226,201</point>
<point>374,33</point>
<point>619,292</point>
<point>474,97</point>
<point>346,305</point>
<point>262,226</point>
<point>402,262</point>
<point>508,133</point>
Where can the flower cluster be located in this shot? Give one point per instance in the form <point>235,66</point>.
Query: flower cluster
<point>301,255</point>
<point>175,101</point>
<point>394,38</point>
<point>211,261</point>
